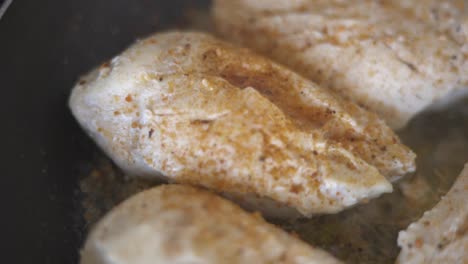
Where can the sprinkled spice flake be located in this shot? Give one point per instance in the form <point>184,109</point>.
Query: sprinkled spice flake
<point>364,234</point>
<point>105,187</point>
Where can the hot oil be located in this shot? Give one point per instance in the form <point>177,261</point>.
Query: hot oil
<point>364,234</point>
<point>368,233</point>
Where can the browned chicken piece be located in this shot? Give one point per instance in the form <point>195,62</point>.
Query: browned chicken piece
<point>395,58</point>
<point>447,16</point>
<point>440,236</point>
<point>174,224</point>
<point>193,109</point>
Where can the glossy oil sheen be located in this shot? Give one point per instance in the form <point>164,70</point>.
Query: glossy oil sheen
<point>44,47</point>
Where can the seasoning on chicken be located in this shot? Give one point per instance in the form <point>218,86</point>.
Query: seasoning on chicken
<point>196,110</point>
<point>395,58</point>
<point>182,224</point>
<point>440,236</point>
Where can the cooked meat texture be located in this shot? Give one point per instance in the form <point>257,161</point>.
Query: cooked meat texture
<point>193,109</point>
<point>440,236</point>
<point>448,16</point>
<point>395,58</point>
<point>181,224</point>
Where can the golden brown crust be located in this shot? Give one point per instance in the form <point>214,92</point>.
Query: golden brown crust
<point>201,111</point>
<point>393,57</point>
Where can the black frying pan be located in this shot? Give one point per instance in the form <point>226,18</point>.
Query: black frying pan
<point>44,46</point>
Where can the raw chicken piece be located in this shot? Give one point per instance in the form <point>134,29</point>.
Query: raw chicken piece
<point>196,110</point>
<point>395,58</point>
<point>440,236</point>
<point>181,224</point>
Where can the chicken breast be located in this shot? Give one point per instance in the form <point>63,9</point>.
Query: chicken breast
<point>196,110</point>
<point>448,16</point>
<point>395,58</point>
<point>440,236</point>
<point>181,224</point>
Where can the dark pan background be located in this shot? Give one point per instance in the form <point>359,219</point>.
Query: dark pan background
<point>44,46</point>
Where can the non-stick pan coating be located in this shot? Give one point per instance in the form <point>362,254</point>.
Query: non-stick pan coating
<point>44,46</point>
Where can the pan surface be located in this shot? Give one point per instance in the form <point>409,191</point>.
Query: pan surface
<point>46,45</point>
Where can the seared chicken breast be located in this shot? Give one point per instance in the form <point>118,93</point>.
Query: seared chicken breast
<point>440,236</point>
<point>180,224</point>
<point>196,110</point>
<point>395,58</point>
